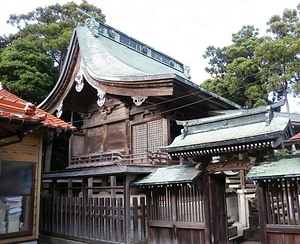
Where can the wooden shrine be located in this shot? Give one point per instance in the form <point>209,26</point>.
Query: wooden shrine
<point>124,97</point>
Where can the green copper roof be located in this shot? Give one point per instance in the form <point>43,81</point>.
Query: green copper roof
<point>229,135</point>
<point>108,58</point>
<point>283,168</point>
<point>186,173</point>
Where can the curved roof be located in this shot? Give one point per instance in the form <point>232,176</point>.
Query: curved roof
<point>110,61</point>
<point>238,131</point>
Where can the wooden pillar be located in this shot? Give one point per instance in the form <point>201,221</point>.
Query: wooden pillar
<point>90,185</point>
<point>218,209</point>
<point>174,214</point>
<point>262,210</point>
<point>206,193</point>
<point>85,199</point>
<point>242,179</point>
<point>127,217</point>
<point>113,183</point>
<point>70,184</point>
<point>55,191</point>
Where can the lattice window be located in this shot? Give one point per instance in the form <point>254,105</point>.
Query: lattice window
<point>155,135</point>
<point>282,199</point>
<point>147,137</point>
<point>139,138</point>
<point>185,203</point>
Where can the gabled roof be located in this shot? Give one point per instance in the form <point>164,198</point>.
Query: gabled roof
<point>110,62</point>
<point>239,131</point>
<point>18,114</point>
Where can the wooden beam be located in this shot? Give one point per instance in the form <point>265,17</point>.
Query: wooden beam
<point>232,165</point>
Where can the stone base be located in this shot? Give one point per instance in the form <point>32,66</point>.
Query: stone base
<point>251,235</point>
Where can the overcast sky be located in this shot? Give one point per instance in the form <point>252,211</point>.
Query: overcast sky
<point>182,29</point>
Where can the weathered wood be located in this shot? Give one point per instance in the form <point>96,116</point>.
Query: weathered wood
<point>262,212</point>
<point>217,202</point>
<point>176,210</point>
<point>104,219</point>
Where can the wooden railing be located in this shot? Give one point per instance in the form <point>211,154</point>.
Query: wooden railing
<point>112,158</point>
<point>98,219</point>
<point>90,160</point>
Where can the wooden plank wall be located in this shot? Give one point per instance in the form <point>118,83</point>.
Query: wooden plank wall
<point>176,214</point>
<point>29,150</point>
<point>283,238</point>
<point>280,210</point>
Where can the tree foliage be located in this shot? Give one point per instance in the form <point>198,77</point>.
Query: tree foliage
<point>279,55</point>
<point>25,71</point>
<point>254,67</point>
<point>234,71</point>
<point>48,30</point>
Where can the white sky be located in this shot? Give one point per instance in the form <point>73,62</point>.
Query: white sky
<point>182,29</point>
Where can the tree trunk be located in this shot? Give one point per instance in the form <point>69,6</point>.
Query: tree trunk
<point>287,106</point>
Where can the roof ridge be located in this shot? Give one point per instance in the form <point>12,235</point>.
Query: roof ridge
<point>99,28</point>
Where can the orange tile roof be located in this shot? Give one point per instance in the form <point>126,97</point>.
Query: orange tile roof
<point>11,106</point>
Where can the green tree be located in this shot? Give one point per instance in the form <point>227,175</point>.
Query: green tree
<point>234,70</point>
<point>253,68</point>
<point>25,71</point>
<point>48,30</point>
<point>278,56</point>
<point>52,26</point>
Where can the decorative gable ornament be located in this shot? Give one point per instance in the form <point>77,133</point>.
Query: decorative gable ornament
<point>79,81</point>
<point>101,97</point>
<point>138,100</point>
<point>59,110</point>
<point>93,25</point>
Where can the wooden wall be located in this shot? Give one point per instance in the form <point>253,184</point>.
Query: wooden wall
<point>109,128</point>
<point>279,210</point>
<point>29,150</point>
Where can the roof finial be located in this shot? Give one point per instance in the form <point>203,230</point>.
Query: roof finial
<point>85,13</point>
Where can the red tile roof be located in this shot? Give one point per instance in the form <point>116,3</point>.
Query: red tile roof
<point>11,106</point>
<point>295,137</point>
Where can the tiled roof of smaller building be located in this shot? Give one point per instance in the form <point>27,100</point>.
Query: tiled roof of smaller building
<point>13,107</point>
<point>186,173</point>
<point>286,167</point>
<point>242,130</point>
